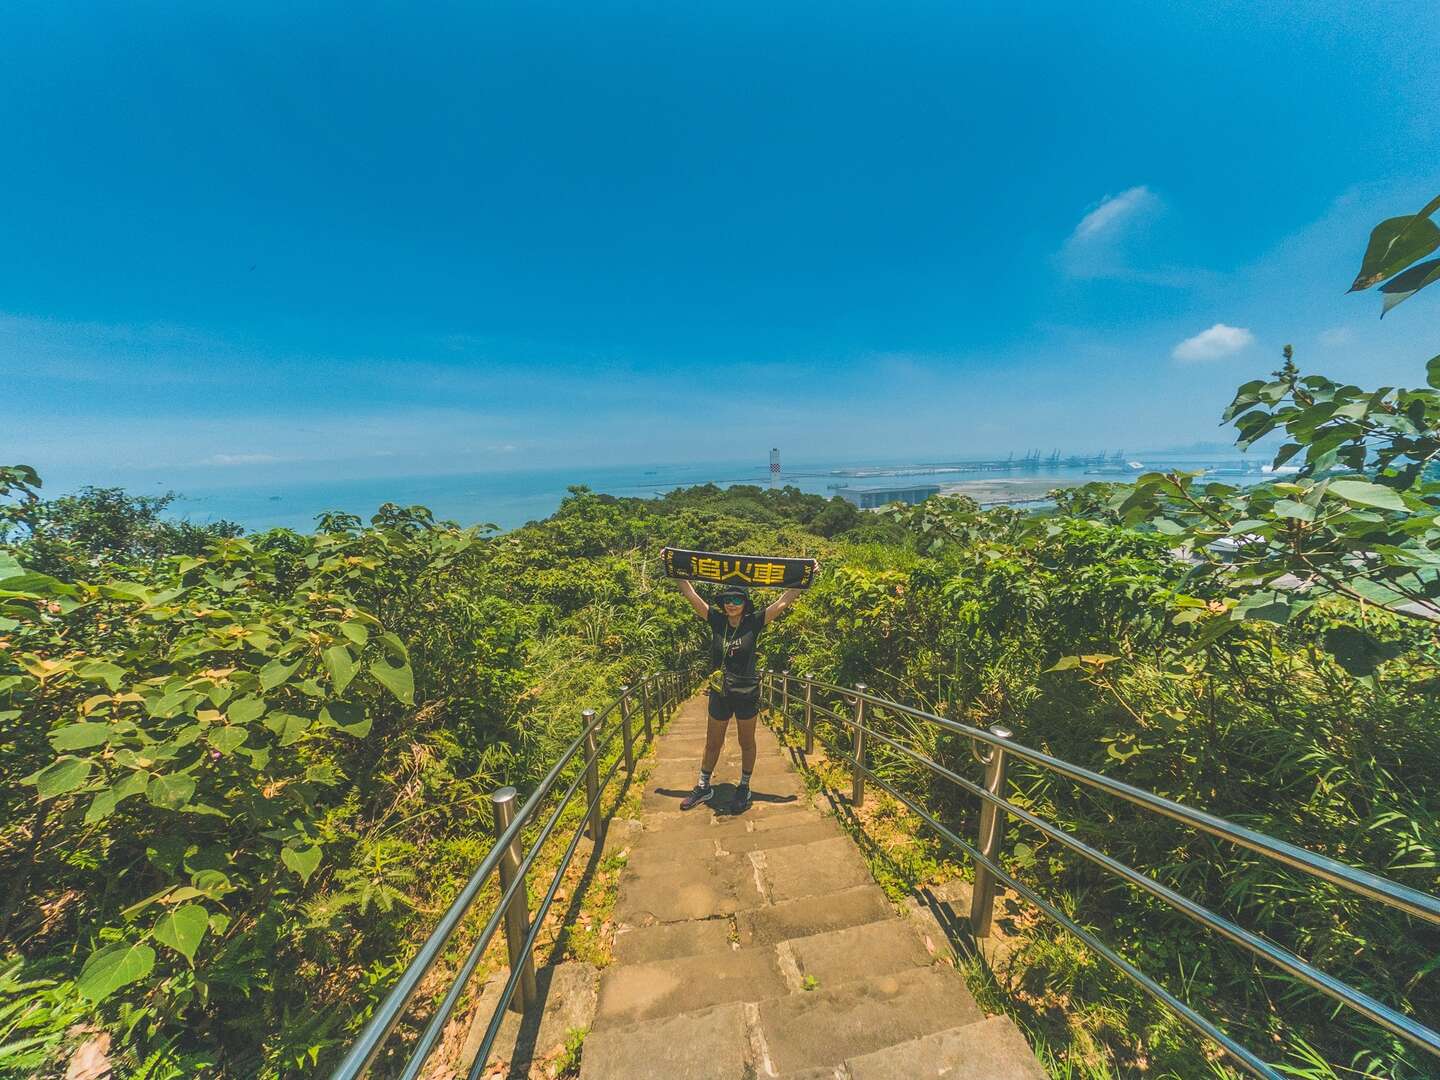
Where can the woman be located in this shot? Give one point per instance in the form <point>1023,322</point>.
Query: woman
<point>735,688</point>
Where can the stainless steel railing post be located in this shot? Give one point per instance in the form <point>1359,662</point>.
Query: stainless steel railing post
<point>809,714</point>
<point>592,776</point>
<point>517,915</point>
<point>626,735</point>
<point>785,700</point>
<point>992,832</point>
<point>857,783</point>
<point>645,704</point>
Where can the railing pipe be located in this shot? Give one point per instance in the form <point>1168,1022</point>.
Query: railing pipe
<point>857,776</point>
<point>645,705</point>
<point>516,913</point>
<point>1398,896</point>
<point>809,715</point>
<point>592,776</point>
<point>626,735</point>
<point>785,700</point>
<point>992,832</point>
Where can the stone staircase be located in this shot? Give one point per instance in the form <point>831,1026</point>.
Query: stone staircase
<point>758,946</point>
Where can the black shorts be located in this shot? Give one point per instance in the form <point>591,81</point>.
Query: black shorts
<point>743,705</point>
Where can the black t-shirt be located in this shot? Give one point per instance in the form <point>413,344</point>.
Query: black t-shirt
<point>732,650</point>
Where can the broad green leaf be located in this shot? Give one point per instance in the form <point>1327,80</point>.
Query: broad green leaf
<point>103,805</point>
<point>394,646</point>
<point>213,883</point>
<point>226,739</point>
<point>348,717</point>
<point>302,862</point>
<point>1065,663</point>
<point>64,775</point>
<point>79,736</point>
<point>356,631</point>
<point>1403,286</point>
<point>275,674</point>
<point>1432,372</point>
<point>1367,494</point>
<point>170,792</point>
<point>1394,244</point>
<point>287,726</point>
<point>1289,508</point>
<point>112,675</point>
<point>398,680</point>
<point>112,967</point>
<point>245,709</point>
<point>182,929</point>
<point>341,667</point>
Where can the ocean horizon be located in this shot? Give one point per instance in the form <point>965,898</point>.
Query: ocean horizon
<point>508,499</point>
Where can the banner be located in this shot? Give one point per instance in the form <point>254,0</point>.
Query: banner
<point>764,570</point>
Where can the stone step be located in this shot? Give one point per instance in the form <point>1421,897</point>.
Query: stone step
<point>711,1044</point>
<point>651,848</point>
<point>827,1027</point>
<point>635,992</point>
<point>813,869</point>
<point>662,795</point>
<point>836,957</point>
<point>665,941</point>
<point>806,916</point>
<point>701,889</point>
<point>761,815</point>
<point>990,1049</point>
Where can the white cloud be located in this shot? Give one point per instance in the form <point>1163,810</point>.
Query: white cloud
<point>1113,212</point>
<point>1337,337</point>
<point>1220,340</point>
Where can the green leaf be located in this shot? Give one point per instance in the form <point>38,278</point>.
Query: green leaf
<point>356,631</point>
<point>1432,372</point>
<point>275,674</point>
<point>341,667</point>
<point>65,775</point>
<point>112,967</point>
<point>348,717</point>
<point>302,862</point>
<point>1394,244</point>
<point>400,681</point>
<point>170,792</point>
<point>213,883</point>
<point>226,739</point>
<point>1365,493</point>
<point>395,647</point>
<point>287,726</point>
<point>1403,286</point>
<point>80,735</point>
<point>112,675</point>
<point>1289,508</point>
<point>245,709</point>
<point>1065,663</point>
<point>103,805</point>
<point>182,929</point>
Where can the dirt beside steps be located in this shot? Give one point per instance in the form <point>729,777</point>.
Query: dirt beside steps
<point>757,945</point>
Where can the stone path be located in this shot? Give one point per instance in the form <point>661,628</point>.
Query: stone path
<point>758,946</point>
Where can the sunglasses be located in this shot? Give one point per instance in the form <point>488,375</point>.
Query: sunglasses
<point>738,601</point>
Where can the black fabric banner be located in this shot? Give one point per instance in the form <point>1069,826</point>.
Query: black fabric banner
<point>739,569</point>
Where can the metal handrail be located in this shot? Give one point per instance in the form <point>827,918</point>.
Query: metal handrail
<point>671,687</point>
<point>1367,884</point>
<point>1373,886</point>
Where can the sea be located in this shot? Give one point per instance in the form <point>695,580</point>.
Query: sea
<point>508,499</point>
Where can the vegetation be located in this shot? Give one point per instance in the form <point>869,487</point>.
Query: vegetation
<point>241,775</point>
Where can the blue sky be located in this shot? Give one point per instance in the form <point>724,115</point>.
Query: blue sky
<point>255,241</point>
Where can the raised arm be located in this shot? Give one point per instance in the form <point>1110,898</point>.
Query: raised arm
<point>788,597</point>
<point>696,601</point>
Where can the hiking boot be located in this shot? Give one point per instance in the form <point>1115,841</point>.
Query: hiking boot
<point>740,801</point>
<point>702,793</point>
